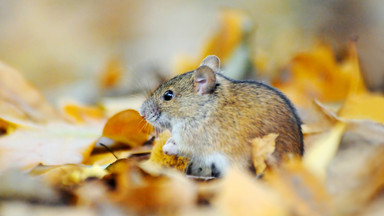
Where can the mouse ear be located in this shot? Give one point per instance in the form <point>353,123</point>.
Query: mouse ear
<point>205,80</point>
<point>212,62</point>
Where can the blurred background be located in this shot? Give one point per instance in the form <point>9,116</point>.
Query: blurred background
<point>91,49</point>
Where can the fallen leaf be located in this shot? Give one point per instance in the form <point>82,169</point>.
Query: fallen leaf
<point>68,174</point>
<point>18,208</point>
<point>317,158</point>
<point>51,144</point>
<point>360,103</point>
<point>262,148</point>
<point>16,185</point>
<point>19,99</point>
<point>82,114</point>
<point>367,106</point>
<point>355,177</point>
<point>127,127</point>
<point>112,74</point>
<point>303,192</point>
<point>317,75</point>
<point>242,194</point>
<point>143,193</point>
<point>157,155</point>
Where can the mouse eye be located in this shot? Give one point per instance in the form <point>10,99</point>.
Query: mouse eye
<point>168,95</point>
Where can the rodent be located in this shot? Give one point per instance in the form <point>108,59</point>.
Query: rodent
<point>213,119</point>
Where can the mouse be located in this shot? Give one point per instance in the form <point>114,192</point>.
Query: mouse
<point>213,119</point>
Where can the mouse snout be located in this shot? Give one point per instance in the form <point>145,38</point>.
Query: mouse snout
<point>148,110</point>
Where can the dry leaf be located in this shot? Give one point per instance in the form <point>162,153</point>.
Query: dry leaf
<point>112,74</point>
<point>52,144</point>
<point>157,155</point>
<point>355,174</point>
<point>368,106</point>
<point>318,157</point>
<point>262,149</point>
<point>302,191</point>
<point>18,208</point>
<point>83,114</point>
<point>317,75</point>
<point>143,193</point>
<point>241,194</point>
<point>360,103</point>
<point>69,174</point>
<point>15,185</point>
<point>19,99</point>
<point>127,127</point>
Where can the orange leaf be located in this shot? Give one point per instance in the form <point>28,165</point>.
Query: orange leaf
<point>360,103</point>
<point>317,75</point>
<point>112,74</point>
<point>128,127</point>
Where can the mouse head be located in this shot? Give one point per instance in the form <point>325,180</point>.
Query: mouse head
<point>186,97</point>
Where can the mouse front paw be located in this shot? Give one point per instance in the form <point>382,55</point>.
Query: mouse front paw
<point>170,147</point>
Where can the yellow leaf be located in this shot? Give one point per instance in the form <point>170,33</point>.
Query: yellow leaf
<point>357,85</point>
<point>262,148</point>
<point>107,157</point>
<point>365,106</point>
<point>83,114</point>
<point>159,157</point>
<point>69,174</point>
<point>317,158</point>
<point>360,103</point>
<point>317,75</point>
